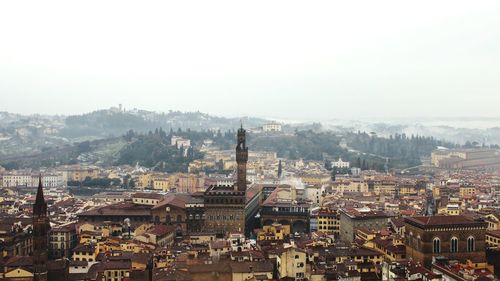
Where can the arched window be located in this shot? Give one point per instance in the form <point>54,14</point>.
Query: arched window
<point>471,244</point>
<point>436,246</point>
<point>168,219</point>
<point>179,218</point>
<point>454,245</point>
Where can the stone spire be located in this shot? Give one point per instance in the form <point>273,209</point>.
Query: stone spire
<point>41,227</point>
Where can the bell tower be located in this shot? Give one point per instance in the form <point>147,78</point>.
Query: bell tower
<point>241,160</point>
<point>41,227</point>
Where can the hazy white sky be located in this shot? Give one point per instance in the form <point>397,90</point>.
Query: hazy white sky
<point>282,59</point>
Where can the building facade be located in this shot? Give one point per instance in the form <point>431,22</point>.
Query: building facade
<point>454,237</point>
<point>225,205</point>
<point>353,219</point>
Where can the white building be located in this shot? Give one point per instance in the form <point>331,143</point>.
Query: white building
<point>15,179</point>
<point>272,127</point>
<point>355,171</point>
<point>49,180</point>
<point>313,194</point>
<point>180,142</point>
<point>340,164</point>
<point>31,180</point>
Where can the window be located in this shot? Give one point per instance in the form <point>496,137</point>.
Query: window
<point>471,244</point>
<point>436,246</point>
<point>454,245</point>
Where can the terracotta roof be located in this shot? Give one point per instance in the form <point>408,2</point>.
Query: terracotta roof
<point>178,200</point>
<point>441,220</point>
<point>161,229</point>
<point>84,248</point>
<point>147,195</point>
<point>119,209</point>
<point>494,233</point>
<point>247,267</point>
<point>355,214</point>
<point>398,222</point>
<point>19,261</point>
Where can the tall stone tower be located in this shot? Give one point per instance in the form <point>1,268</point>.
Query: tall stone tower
<point>41,227</point>
<point>241,160</point>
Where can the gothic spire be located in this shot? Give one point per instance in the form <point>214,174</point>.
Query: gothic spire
<point>41,228</point>
<point>40,206</point>
<point>39,192</point>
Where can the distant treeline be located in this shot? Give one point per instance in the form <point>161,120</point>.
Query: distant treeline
<point>155,150</point>
<point>112,122</point>
<point>402,150</point>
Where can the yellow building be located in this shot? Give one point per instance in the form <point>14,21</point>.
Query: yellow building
<point>436,191</point>
<point>362,255</point>
<point>200,165</point>
<point>492,239</point>
<point>275,231</point>
<point>329,221</point>
<point>85,252</point>
<point>393,248</point>
<point>365,235</point>
<point>407,189</point>
<point>116,271</point>
<point>493,221</point>
<point>78,173</point>
<point>161,183</point>
<point>144,181</point>
<point>315,179</point>
<point>292,263</point>
<point>450,209</point>
<point>467,191</point>
<point>385,187</point>
<point>19,273</point>
<point>351,185</point>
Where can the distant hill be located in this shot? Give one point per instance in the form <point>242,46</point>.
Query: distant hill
<point>113,122</point>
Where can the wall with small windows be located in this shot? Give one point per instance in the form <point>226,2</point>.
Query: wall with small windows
<point>460,242</point>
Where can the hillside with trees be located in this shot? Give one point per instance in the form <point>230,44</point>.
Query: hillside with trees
<point>154,150</point>
<point>400,149</point>
<point>102,123</point>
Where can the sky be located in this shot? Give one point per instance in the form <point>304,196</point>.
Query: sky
<point>297,60</point>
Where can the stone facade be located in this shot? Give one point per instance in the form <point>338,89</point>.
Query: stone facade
<point>351,220</point>
<point>454,237</point>
<point>224,210</point>
<point>225,205</point>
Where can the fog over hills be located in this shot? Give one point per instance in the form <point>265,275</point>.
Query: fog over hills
<point>113,136</point>
<point>116,121</point>
<point>457,130</point>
